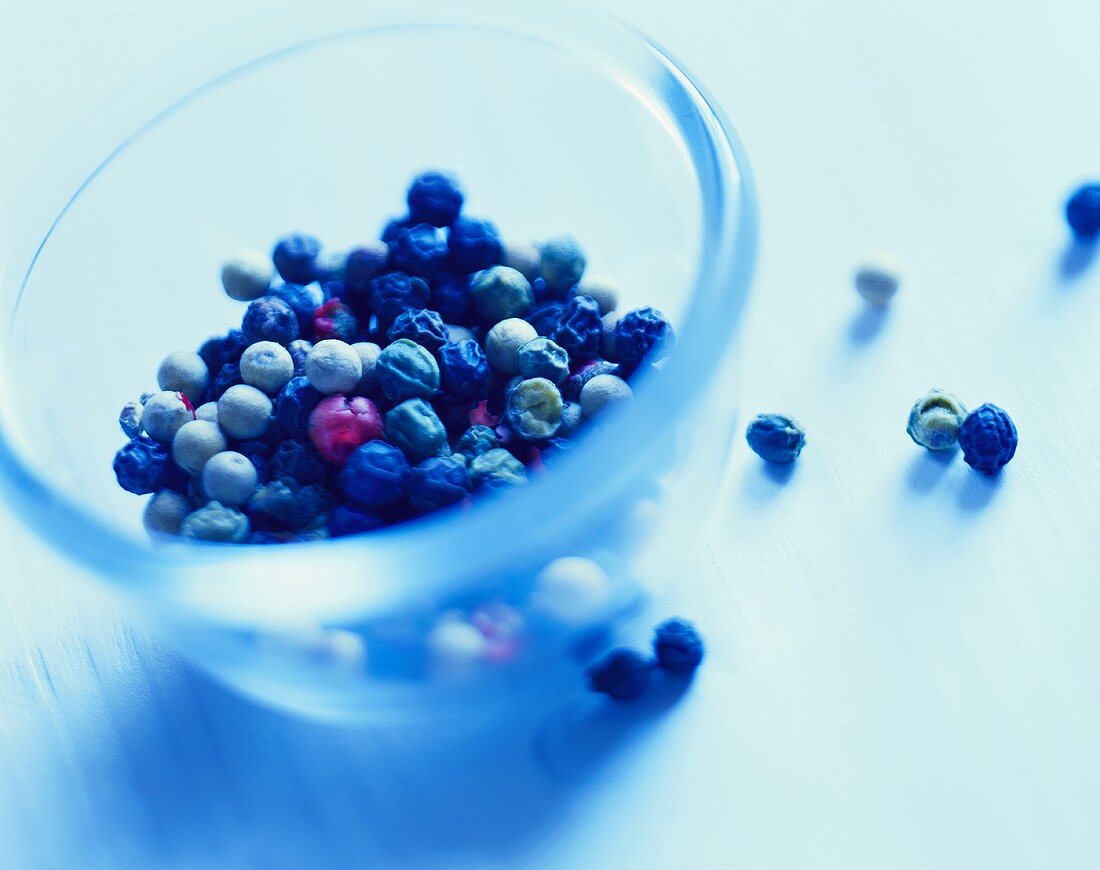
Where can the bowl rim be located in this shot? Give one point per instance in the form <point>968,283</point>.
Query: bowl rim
<point>162,572</point>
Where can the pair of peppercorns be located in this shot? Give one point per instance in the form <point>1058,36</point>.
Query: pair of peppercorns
<point>624,674</point>
<point>939,421</point>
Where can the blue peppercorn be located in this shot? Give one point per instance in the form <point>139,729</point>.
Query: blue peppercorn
<point>776,438</point>
<point>259,454</point>
<point>1083,212</point>
<point>476,440</point>
<point>642,333</point>
<point>988,439</point>
<point>346,520</point>
<point>142,465</point>
<point>394,292</point>
<point>544,293</point>
<point>499,293</point>
<point>543,358</point>
<point>295,403</point>
<point>579,328</point>
<point>545,317</point>
<point>451,298</point>
<point>392,228</point>
<point>678,646</point>
<point>562,262</point>
<point>269,319</point>
<point>622,675</point>
<point>364,263</point>
<point>571,389</point>
<point>437,482</point>
<point>375,474</point>
<point>334,319</point>
<point>298,461</point>
<point>464,370</point>
<point>414,426</point>
<point>473,244</point>
<point>420,325</point>
<point>434,198</point>
<point>228,376</point>
<point>406,370</point>
<point>301,301</point>
<point>219,350</point>
<point>284,505</point>
<point>419,250</point>
<point>294,256</point>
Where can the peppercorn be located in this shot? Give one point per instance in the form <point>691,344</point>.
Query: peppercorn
<point>345,520</point>
<point>776,438</point>
<point>420,325</point>
<point>184,372</point>
<point>602,290</point>
<point>451,298</point>
<point>678,647</point>
<point>572,590</point>
<point>414,427</point>
<point>622,675</point>
<point>571,418</point>
<point>284,505</point>
<point>333,367</point>
<point>496,467</point>
<point>934,420</point>
<point>641,334</point>
<point>228,376</point>
<point>164,413</point>
<point>419,250</point>
<point>129,418</point>
<point>207,411</point>
<point>604,392</point>
<point>503,342</point>
<point>215,522</point>
<point>394,292</point>
<point>437,482</point>
<point>364,263</point>
<point>259,454</point>
<point>295,403</point>
<point>405,370</point>
<point>434,198</point>
<point>229,477</point>
<point>562,262</point>
<point>294,257</point>
<point>142,465</point>
<point>269,319</point>
<point>534,409</point>
<point>877,280</point>
<point>473,244</point>
<point>368,357</point>
<point>476,440</point>
<point>165,512</point>
<point>197,441</point>
<point>543,358</point>
<point>221,349</point>
<point>579,328</point>
<point>1083,212</point>
<point>574,384</point>
<point>298,461</point>
<point>499,293</point>
<point>247,275</point>
<point>464,371</point>
<point>244,412</point>
<point>375,475</point>
<point>301,300</point>
<point>267,366</point>
<point>339,425</point>
<point>524,257</point>
<point>392,228</point>
<point>334,320</point>
<point>988,439</point>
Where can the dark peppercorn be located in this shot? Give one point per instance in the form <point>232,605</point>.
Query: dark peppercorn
<point>284,505</point>
<point>228,376</point>
<point>419,250</point>
<point>476,440</point>
<point>639,333</point>
<point>451,298</point>
<point>294,404</point>
<point>776,438</point>
<point>622,675</point>
<point>300,300</point>
<point>269,319</point>
<point>142,465</point>
<point>334,319</point>
<point>473,244</point>
<point>219,350</point>
<point>394,292</point>
<point>298,461</point>
<point>363,264</point>
<point>1083,212</point>
<point>436,483</point>
<point>678,646</point>
<point>294,257</point>
<point>988,439</point>
<point>392,228</point>
<point>464,370</point>
<point>375,474</point>
<point>434,198</point>
<point>259,454</point>
<point>545,293</point>
<point>420,325</point>
<point>346,520</point>
<point>546,317</point>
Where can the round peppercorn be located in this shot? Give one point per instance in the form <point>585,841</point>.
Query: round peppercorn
<point>434,198</point>
<point>603,291</point>
<point>437,482</point>
<point>259,454</point>
<point>405,370</point>
<point>229,376</point>
<point>221,349</point>
<point>476,440</point>
<point>463,370</point>
<point>473,244</point>
<point>776,438</point>
<point>642,333</point>
<point>543,358</point>
<point>414,427</point>
<point>524,257</point>
<point>266,366</point>
<point>197,441</point>
<point>579,328</point>
<point>339,425</point>
<point>1083,212</point>
<point>334,320</point>
<point>496,467</point>
<point>561,262</point>
<point>545,317</point>
<point>604,392</point>
<point>215,522</point>
<point>165,512</point>
<point>392,228</point>
<point>573,385</point>
<point>499,293</point>
<point>269,319</point>
<point>284,505</point>
<point>247,275</point>
<point>364,263</point>
<point>330,266</point>
<point>451,298</point>
<point>622,675</point>
<point>420,325</point>
<point>375,475</point>
<point>503,342</point>
<point>607,337</point>
<point>346,520</point>
<point>164,413</point>
<point>207,411</point>
<point>368,357</point>
<point>419,250</point>
<point>678,647</point>
<point>935,419</point>
<point>572,590</point>
<point>988,439</point>
<point>142,466</point>
<point>877,280</point>
<point>299,299</point>
<point>394,292</point>
<point>184,372</point>
<point>298,461</point>
<point>294,256</point>
<point>534,409</point>
<point>333,367</point>
<point>244,412</point>
<point>129,418</point>
<point>294,405</point>
<point>571,418</point>
<point>229,478</point>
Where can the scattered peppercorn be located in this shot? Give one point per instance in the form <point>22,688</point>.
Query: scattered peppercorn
<point>776,438</point>
<point>934,420</point>
<point>622,675</point>
<point>988,439</point>
<point>1083,212</point>
<point>678,646</point>
<point>877,280</point>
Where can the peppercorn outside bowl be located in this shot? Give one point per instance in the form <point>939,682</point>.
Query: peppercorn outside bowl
<point>559,120</point>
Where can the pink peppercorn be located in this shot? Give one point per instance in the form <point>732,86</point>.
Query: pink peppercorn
<point>339,425</point>
<point>480,416</point>
<point>336,320</point>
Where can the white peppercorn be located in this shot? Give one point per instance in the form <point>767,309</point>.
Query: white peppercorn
<point>572,590</point>
<point>163,415</point>
<point>247,275</point>
<point>503,342</point>
<point>524,257</point>
<point>184,372</point>
<point>215,522</point>
<point>333,366</point>
<point>603,392</point>
<point>602,289</point>
<point>207,411</point>
<point>229,477</point>
<point>165,511</point>
<point>196,442</point>
<point>368,356</point>
<point>244,412</point>
<point>267,366</point>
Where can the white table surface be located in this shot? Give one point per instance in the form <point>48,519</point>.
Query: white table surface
<point>903,666</point>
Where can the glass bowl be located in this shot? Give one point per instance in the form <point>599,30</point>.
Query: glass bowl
<point>557,120</point>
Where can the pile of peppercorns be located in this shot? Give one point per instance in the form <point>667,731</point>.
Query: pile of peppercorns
<point>369,387</point>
